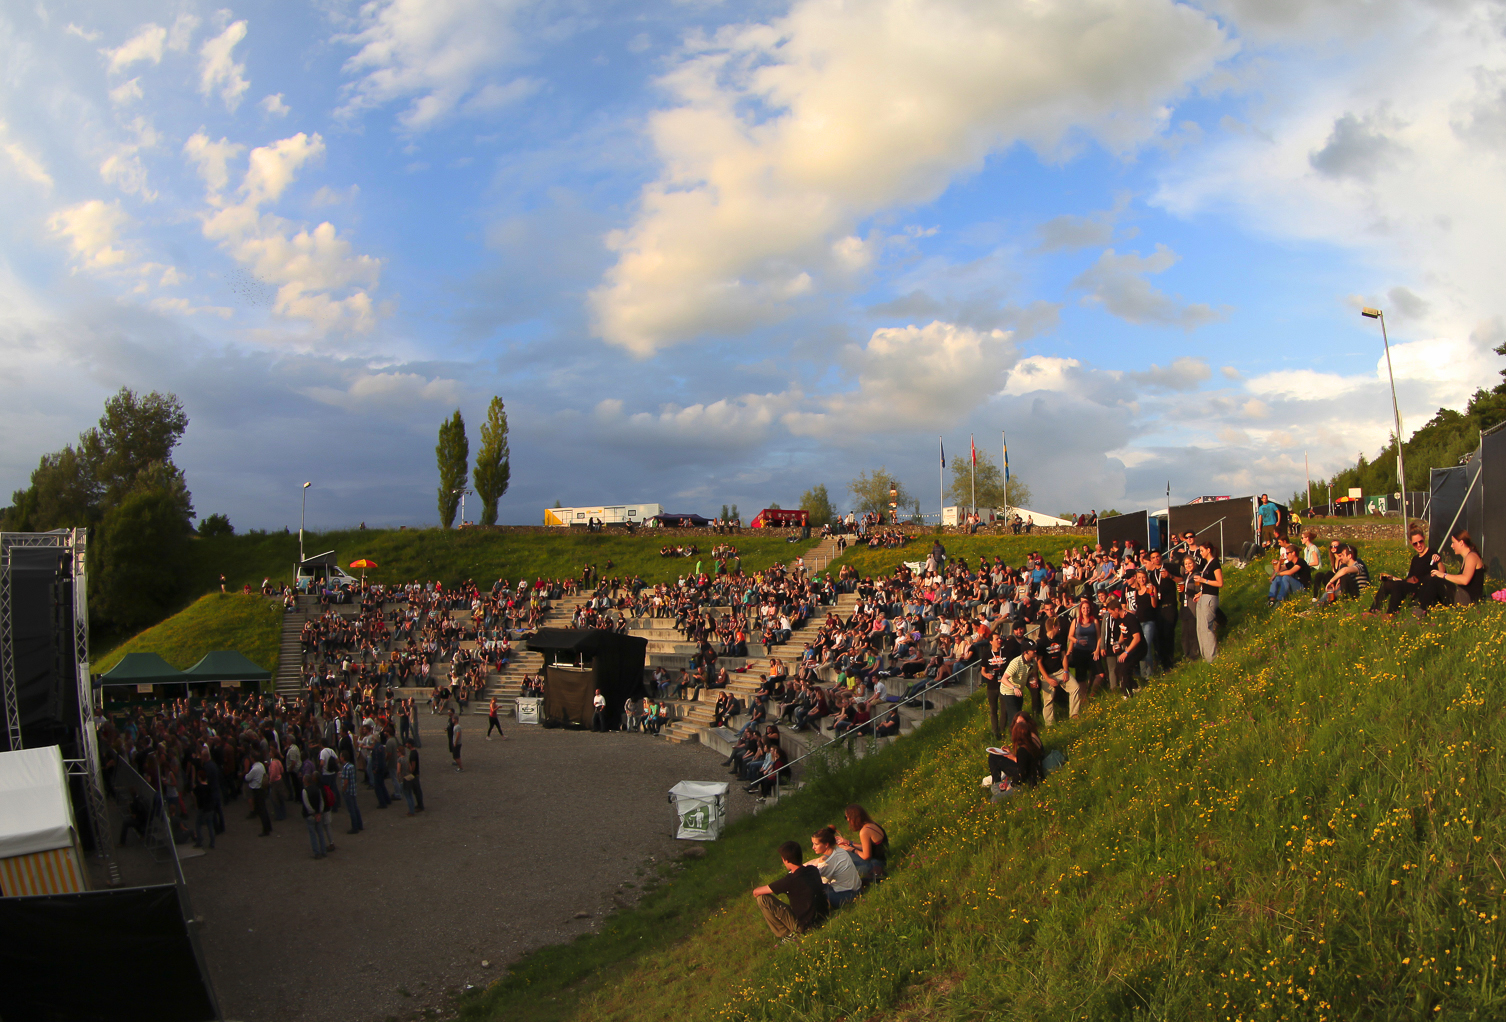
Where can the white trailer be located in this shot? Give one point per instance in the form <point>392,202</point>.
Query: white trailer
<point>607,514</point>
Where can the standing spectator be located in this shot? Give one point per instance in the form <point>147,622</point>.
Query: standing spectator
<point>1270,521</point>
<point>1210,584</point>
<point>415,782</point>
<point>256,780</point>
<point>492,721</point>
<point>275,785</point>
<point>455,739</point>
<point>204,805</point>
<point>598,712</point>
<point>313,816</point>
<point>348,791</point>
<point>379,771</point>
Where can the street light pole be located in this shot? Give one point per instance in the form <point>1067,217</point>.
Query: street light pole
<point>1401,470</point>
<point>301,516</point>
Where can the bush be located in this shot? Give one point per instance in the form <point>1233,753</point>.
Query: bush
<point>216,525</point>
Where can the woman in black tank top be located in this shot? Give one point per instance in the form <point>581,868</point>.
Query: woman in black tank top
<point>1469,584</point>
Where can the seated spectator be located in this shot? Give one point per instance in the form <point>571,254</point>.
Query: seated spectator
<point>1469,584</point>
<point>808,904</point>
<point>839,874</point>
<point>1349,578</point>
<point>1419,583</point>
<point>1290,575</point>
<point>871,852</point>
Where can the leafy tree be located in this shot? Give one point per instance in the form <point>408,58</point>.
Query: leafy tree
<point>493,462</point>
<point>870,491</point>
<point>991,491</point>
<point>775,507</point>
<point>726,517</point>
<point>818,503</point>
<point>141,554</point>
<point>453,453</point>
<point>134,432</point>
<point>215,525</point>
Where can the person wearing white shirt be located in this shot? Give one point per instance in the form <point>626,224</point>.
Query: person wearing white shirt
<point>839,875</point>
<point>599,712</point>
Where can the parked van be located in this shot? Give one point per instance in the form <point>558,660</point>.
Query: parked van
<point>322,569</point>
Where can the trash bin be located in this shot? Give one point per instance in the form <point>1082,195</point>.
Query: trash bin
<point>528,710</point>
<point>701,807</point>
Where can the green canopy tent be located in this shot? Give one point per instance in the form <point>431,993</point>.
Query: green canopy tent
<point>227,666</point>
<point>139,672</point>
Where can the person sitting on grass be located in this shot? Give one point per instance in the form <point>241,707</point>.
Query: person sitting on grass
<point>1351,576</point>
<point>1469,584</point>
<point>839,873</point>
<point>807,906</point>
<point>871,852</point>
<point>1419,582</point>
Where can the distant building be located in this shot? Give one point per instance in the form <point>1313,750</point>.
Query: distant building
<point>610,514</point>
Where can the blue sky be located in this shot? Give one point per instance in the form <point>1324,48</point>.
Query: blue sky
<point>712,253</point>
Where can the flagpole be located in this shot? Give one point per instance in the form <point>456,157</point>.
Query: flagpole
<point>1308,469</point>
<point>1004,451</point>
<point>941,486</point>
<point>972,446</point>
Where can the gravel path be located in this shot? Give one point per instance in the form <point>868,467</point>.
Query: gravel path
<point>538,829</point>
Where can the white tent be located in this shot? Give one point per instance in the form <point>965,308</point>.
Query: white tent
<point>38,840</point>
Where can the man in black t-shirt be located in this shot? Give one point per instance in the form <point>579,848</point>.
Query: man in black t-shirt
<point>802,885</point>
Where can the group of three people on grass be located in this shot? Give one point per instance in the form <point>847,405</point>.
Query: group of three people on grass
<point>833,878</point>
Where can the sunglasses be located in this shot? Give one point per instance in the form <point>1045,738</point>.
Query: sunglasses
<point>1419,542</point>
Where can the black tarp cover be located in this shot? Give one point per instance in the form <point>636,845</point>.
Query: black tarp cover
<point>1238,516</point>
<point>1132,527</point>
<point>1492,535</point>
<point>119,955</point>
<point>1449,485</point>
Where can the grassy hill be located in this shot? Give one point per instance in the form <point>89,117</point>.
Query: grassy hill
<point>452,556</point>
<point>249,624</point>
<point>1309,828</point>
<point>413,554</point>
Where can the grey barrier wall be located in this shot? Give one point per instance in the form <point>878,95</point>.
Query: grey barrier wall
<point>1132,527</point>
<point>1237,517</point>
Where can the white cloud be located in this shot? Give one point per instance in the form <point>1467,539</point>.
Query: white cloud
<point>1182,374</point>
<point>86,36</point>
<point>784,136</point>
<point>434,53</point>
<point>92,229</point>
<point>181,34</point>
<point>145,45</point>
<point>1117,282</point>
<point>126,92</point>
<point>218,69</point>
<point>274,105</point>
<point>735,423</point>
<point>123,168</point>
<point>368,391</point>
<point>27,165</point>
<point>1070,230</point>
<point>914,376</point>
<point>211,159</point>
<point>317,275</point>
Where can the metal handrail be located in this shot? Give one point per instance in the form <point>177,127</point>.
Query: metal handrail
<point>970,672</point>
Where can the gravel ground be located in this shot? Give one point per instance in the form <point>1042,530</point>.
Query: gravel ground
<point>531,845</point>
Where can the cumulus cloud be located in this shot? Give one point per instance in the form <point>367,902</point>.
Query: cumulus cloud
<point>92,230</point>
<point>145,45</point>
<point>782,137</point>
<point>733,423</point>
<point>437,54</point>
<point>1359,147</point>
<point>181,34</point>
<point>914,376</point>
<point>218,69</point>
<point>274,105</point>
<point>1185,373</point>
<point>1119,284</point>
<point>126,92</point>
<point>318,276</point>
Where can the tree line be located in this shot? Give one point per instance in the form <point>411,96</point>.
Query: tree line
<point>1443,442</point>
<point>874,491</point>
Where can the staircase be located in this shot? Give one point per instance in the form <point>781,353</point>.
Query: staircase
<point>288,682</point>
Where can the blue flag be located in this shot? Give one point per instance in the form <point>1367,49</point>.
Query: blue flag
<point>943,451</point>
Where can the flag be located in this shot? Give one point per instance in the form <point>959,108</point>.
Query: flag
<point>1006,459</point>
<point>975,451</point>
<point>943,451</point>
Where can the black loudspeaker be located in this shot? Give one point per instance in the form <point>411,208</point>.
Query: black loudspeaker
<point>41,600</point>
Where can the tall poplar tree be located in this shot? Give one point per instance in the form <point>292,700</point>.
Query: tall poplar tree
<point>493,463</point>
<point>453,453</point>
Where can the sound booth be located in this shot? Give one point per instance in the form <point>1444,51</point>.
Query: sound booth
<point>578,662</point>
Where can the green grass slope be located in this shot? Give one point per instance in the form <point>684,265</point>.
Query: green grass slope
<point>250,625</point>
<point>452,556</point>
<point>1309,828</point>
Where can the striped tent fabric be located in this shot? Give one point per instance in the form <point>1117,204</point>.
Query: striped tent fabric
<point>52,872</point>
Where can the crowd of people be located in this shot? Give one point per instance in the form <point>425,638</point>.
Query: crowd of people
<point>310,756</point>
